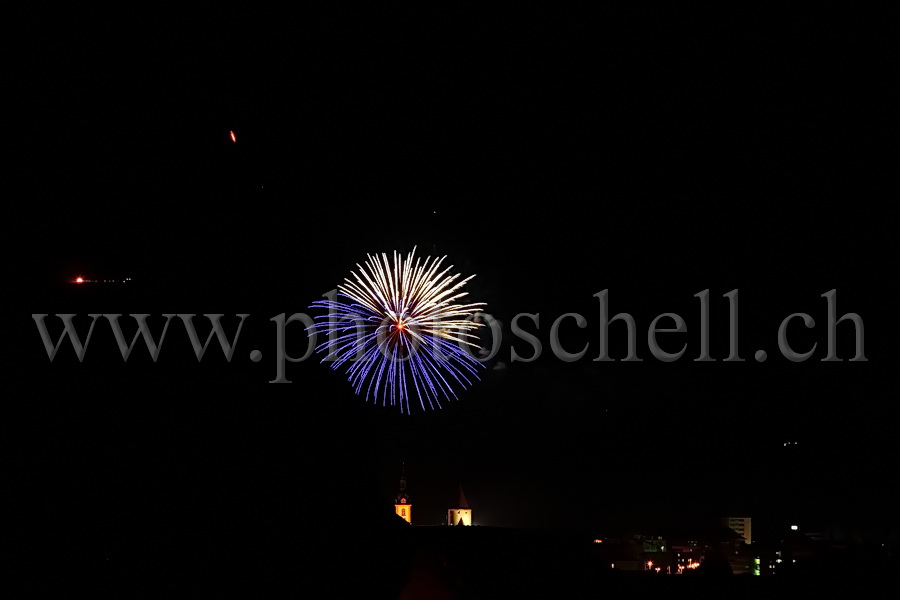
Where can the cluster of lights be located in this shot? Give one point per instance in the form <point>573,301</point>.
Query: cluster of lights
<point>651,568</point>
<point>79,280</point>
<point>691,565</point>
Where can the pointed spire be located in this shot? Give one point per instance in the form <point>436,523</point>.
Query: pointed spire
<point>402,496</point>
<point>463,503</point>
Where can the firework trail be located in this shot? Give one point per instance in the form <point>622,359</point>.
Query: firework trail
<point>400,330</point>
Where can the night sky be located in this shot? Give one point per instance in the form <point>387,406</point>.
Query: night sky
<point>553,163</point>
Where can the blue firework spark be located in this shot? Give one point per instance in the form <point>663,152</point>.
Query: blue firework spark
<point>400,332</point>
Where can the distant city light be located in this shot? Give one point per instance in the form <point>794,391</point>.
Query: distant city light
<point>81,279</point>
<point>794,528</point>
<point>598,541</point>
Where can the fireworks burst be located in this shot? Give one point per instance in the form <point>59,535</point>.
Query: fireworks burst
<point>401,330</point>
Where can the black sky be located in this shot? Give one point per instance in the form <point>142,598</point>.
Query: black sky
<point>654,159</point>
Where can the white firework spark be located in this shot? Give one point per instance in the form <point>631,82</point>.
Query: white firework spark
<point>402,329</point>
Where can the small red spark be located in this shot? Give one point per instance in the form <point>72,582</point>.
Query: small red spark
<point>79,280</point>
<point>233,139</point>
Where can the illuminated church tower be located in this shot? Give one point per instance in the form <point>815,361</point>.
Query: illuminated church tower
<point>462,514</point>
<point>401,502</point>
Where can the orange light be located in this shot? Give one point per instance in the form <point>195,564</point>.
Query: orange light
<point>233,139</point>
<point>79,280</point>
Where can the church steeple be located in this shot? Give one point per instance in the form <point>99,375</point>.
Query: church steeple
<point>402,505</point>
<point>463,503</point>
<point>462,514</point>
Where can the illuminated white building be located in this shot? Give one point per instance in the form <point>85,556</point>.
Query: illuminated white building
<point>741,526</point>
